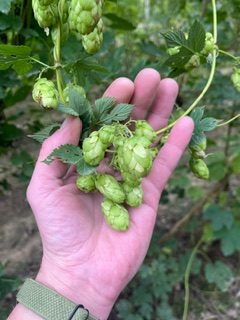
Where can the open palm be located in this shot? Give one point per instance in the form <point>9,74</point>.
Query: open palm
<point>83,256</point>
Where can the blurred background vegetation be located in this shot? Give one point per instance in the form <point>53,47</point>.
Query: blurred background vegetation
<point>189,208</point>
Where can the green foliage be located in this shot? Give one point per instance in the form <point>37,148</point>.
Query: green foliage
<point>72,155</point>
<point>219,274</point>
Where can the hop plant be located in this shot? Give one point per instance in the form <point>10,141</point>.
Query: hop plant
<point>236,79</point>
<point>131,180</point>
<point>198,150</point>
<point>86,183</point>
<point>116,215</point>
<point>199,168</point>
<point>110,188</point>
<point>134,196</point>
<point>76,88</point>
<point>194,62</point>
<point>93,41</point>
<point>93,149</point>
<point>84,15</point>
<point>143,129</point>
<point>173,51</point>
<point>46,15</point>
<point>107,134</point>
<point>209,44</point>
<point>45,94</point>
<point>135,158</point>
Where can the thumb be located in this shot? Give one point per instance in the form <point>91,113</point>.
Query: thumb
<point>69,133</point>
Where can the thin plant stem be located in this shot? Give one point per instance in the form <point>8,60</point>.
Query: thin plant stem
<point>211,76</point>
<point>229,121</point>
<point>42,63</point>
<point>187,277</point>
<point>228,54</point>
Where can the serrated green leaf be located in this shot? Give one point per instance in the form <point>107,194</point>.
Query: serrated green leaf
<point>78,103</point>
<point>71,154</point>
<point>219,274</point>
<point>65,109</point>
<point>120,113</point>
<point>219,218</point>
<point>175,38</point>
<point>5,6</point>
<point>179,60</point>
<point>230,240</point>
<point>43,134</point>
<point>68,153</point>
<point>16,57</point>
<point>84,169</point>
<point>15,51</point>
<point>196,37</point>
<point>22,67</point>
<point>102,106</point>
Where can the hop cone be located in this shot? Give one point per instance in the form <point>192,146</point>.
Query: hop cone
<point>45,2</point>
<point>110,188</point>
<point>143,129</point>
<point>236,79</point>
<point>131,180</point>
<point>47,15</point>
<point>134,196</point>
<point>45,94</point>
<point>199,168</point>
<point>84,15</point>
<point>92,42</point>
<point>93,149</point>
<point>86,183</point>
<point>76,88</point>
<point>116,215</point>
<point>194,62</point>
<point>173,51</point>
<point>209,44</point>
<point>198,150</point>
<point>134,158</point>
<point>107,134</point>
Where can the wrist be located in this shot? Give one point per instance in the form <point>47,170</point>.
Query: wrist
<point>77,289</point>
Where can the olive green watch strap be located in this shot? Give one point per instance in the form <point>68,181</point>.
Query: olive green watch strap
<point>48,304</point>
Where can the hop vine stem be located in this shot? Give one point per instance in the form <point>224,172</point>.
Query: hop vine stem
<point>211,76</point>
<point>186,279</point>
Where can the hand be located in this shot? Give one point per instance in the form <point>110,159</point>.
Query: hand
<point>83,258</point>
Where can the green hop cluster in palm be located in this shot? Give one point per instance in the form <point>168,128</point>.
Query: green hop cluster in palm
<point>130,154</point>
<point>45,94</point>
<point>45,12</point>
<point>197,164</point>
